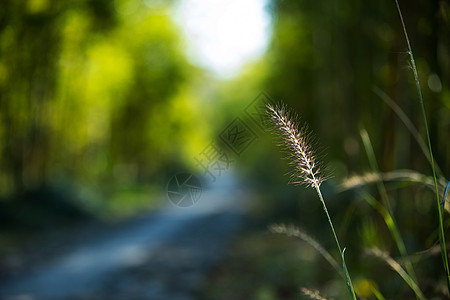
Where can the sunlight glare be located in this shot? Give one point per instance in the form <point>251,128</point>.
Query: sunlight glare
<point>224,34</point>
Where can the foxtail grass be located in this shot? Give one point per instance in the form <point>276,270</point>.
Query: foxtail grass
<point>407,176</point>
<point>306,167</point>
<point>424,115</point>
<point>312,294</point>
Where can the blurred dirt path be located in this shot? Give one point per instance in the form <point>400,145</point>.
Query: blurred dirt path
<point>161,256</point>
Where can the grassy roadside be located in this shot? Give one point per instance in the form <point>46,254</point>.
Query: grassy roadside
<point>262,265</point>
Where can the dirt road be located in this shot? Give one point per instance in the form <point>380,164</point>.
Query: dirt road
<point>164,255</point>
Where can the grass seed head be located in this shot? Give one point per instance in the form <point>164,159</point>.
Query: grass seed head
<point>297,140</point>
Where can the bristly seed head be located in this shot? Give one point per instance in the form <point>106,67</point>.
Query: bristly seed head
<point>297,141</point>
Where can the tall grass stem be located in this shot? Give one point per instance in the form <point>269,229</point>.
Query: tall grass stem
<point>398,268</point>
<point>297,142</point>
<point>419,90</point>
<point>408,123</point>
<point>387,212</point>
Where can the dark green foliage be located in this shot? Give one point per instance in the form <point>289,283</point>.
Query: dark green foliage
<point>326,56</point>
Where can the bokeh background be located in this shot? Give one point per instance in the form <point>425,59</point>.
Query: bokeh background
<point>102,102</point>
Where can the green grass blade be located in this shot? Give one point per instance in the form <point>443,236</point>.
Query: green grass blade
<point>400,271</point>
<point>350,288</point>
<point>377,293</point>
<point>408,123</point>
<point>386,211</point>
<point>424,115</point>
<point>302,235</point>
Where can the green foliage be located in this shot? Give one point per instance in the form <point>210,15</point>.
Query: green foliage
<point>324,60</point>
<point>87,91</point>
<point>100,94</point>
<point>326,56</point>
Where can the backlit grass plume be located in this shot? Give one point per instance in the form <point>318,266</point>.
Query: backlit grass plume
<point>298,143</point>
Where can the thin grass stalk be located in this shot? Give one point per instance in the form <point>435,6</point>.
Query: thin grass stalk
<point>408,123</point>
<point>305,166</point>
<point>302,235</point>
<point>344,265</point>
<point>400,271</point>
<point>419,90</point>
<point>386,212</point>
<point>393,229</point>
<point>374,166</point>
<point>377,293</point>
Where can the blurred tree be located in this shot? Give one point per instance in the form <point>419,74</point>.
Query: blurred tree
<point>159,69</point>
<point>30,40</point>
<point>324,60</point>
<point>326,56</point>
<point>81,85</point>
